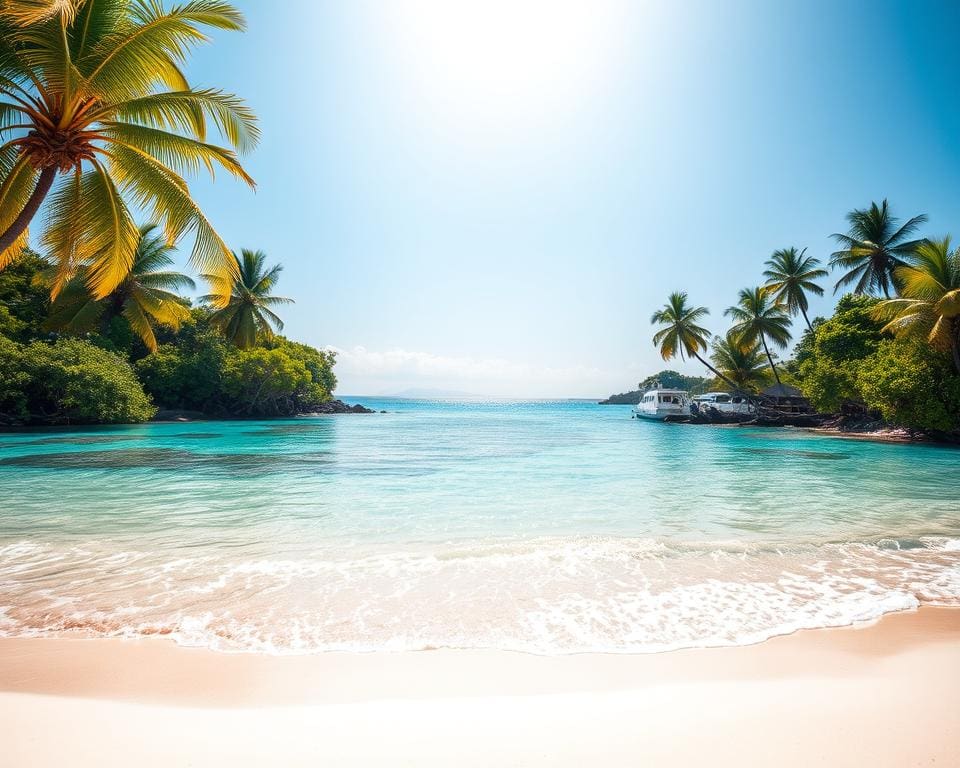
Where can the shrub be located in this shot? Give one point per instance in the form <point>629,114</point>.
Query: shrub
<point>265,382</point>
<point>831,356</point>
<point>187,375</point>
<point>24,302</point>
<point>912,385</point>
<point>319,362</point>
<point>69,382</point>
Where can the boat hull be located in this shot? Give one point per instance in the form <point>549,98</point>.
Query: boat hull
<point>673,414</point>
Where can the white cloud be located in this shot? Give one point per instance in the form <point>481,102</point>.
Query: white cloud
<point>364,371</point>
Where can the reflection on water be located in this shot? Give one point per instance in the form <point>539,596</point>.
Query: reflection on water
<point>550,527</point>
<point>828,456</point>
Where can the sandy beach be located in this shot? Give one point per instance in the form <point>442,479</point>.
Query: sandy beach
<point>881,695</point>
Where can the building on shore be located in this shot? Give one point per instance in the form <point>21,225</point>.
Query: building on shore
<point>787,399</point>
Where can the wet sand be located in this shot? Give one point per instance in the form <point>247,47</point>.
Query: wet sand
<point>882,695</point>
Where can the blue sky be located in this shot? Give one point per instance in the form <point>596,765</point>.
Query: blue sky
<point>493,197</point>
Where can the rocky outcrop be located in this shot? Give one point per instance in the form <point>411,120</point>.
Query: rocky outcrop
<point>322,409</point>
<point>337,406</point>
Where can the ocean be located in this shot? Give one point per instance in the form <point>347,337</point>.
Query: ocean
<point>541,526</point>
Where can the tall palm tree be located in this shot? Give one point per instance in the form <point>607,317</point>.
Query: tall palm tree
<point>742,364</point>
<point>96,118</point>
<point>757,317</point>
<point>930,298</point>
<point>874,248</point>
<point>148,294</point>
<point>680,333</point>
<point>790,276</point>
<point>247,314</point>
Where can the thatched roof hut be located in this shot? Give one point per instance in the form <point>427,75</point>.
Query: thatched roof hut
<point>788,399</point>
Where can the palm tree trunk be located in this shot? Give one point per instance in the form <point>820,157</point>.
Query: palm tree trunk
<point>806,319</point>
<point>776,375</point>
<point>8,238</point>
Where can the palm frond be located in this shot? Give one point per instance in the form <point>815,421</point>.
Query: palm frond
<point>153,46</point>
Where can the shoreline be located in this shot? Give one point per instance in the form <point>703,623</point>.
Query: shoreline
<point>791,700</point>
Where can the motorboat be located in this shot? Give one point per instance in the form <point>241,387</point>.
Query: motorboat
<point>661,404</point>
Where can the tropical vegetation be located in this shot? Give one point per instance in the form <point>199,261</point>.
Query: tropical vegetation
<point>758,318</point>
<point>739,362</point>
<point>68,382</point>
<point>105,372</point>
<point>890,351</point>
<point>680,332</point>
<point>873,248</point>
<point>929,303</point>
<point>98,125</point>
<point>791,275</point>
<point>97,120</point>
<point>247,314</point>
<point>146,296</point>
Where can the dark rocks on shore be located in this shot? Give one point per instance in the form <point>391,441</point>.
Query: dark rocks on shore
<point>323,409</point>
<point>338,406</point>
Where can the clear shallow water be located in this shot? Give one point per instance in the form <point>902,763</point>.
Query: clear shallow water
<point>550,527</point>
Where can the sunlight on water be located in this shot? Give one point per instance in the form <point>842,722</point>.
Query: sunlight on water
<point>548,527</point>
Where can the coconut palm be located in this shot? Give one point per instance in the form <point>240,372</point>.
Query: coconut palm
<point>147,295</point>
<point>757,317</point>
<point>247,314</point>
<point>874,248</point>
<point>790,276</point>
<point>930,298</point>
<point>681,334</point>
<point>743,364</point>
<point>96,118</point>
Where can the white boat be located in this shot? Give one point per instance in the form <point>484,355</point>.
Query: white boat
<point>725,402</point>
<point>663,404</point>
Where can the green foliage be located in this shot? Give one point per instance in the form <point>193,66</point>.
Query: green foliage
<point>24,302</point>
<point>265,382</point>
<point>873,249</point>
<point>929,302</point>
<point>146,297</point>
<point>69,382</point>
<point>849,358</point>
<point>247,317</point>
<point>743,364</point>
<point>104,123</point>
<point>285,379</point>
<point>791,275</point>
<point>911,385</point>
<point>186,372</point>
<point>831,356</point>
<point>318,362</point>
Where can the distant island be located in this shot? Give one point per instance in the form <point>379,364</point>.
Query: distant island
<point>695,385</point>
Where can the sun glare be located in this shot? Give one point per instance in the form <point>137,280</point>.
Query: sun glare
<point>497,55</point>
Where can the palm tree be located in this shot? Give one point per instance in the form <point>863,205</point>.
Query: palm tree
<point>790,275</point>
<point>874,248</point>
<point>930,298</point>
<point>147,294</point>
<point>742,364</point>
<point>680,333</point>
<point>96,118</point>
<point>758,318</point>
<point>247,314</point>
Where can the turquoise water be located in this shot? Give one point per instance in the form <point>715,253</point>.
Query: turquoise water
<point>550,527</point>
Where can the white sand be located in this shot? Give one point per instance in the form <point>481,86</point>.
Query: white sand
<point>886,695</point>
